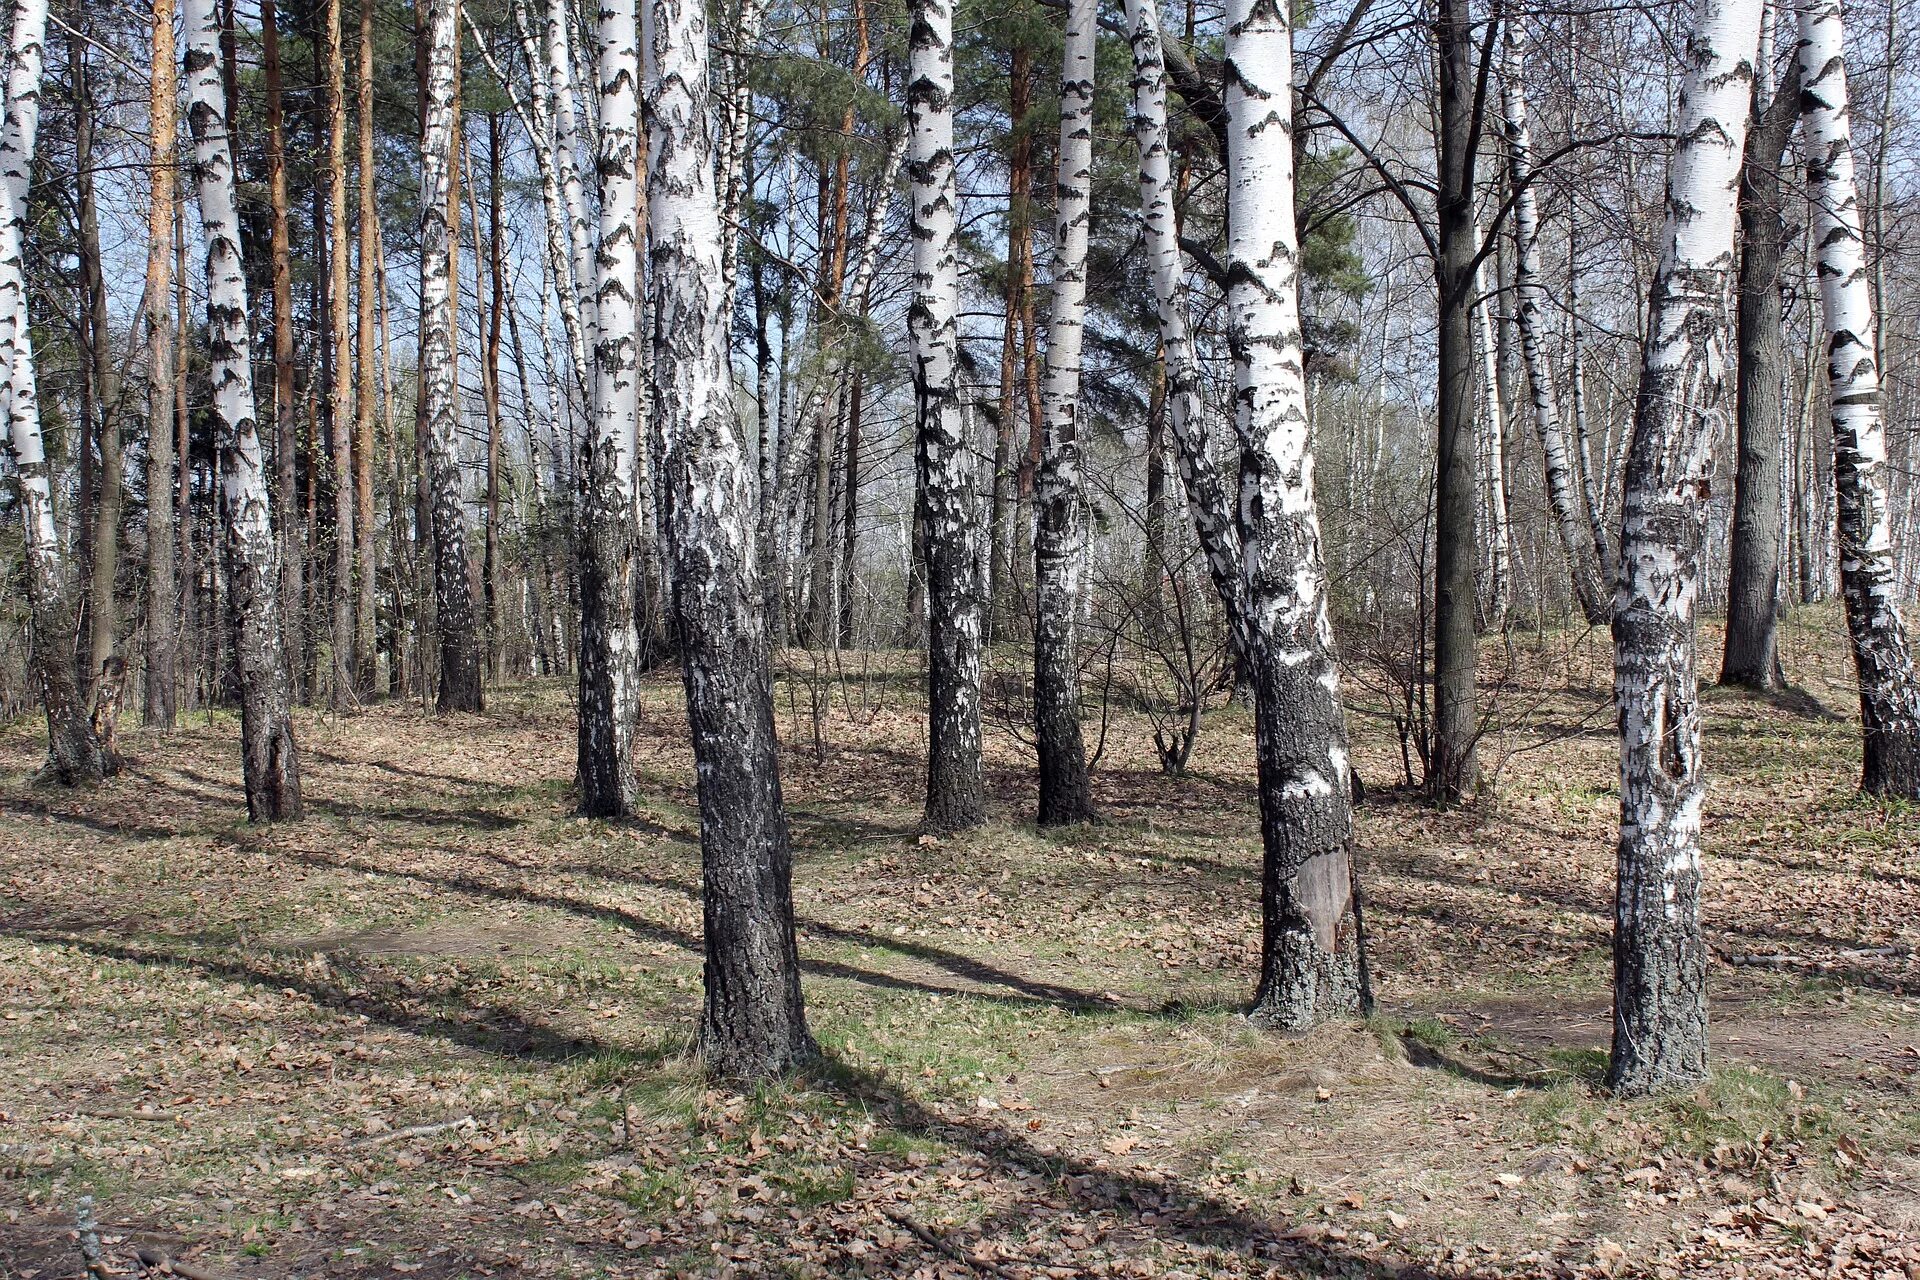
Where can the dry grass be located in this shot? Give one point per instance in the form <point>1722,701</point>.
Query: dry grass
<point>1034,1058</point>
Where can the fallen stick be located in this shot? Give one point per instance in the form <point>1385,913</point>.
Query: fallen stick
<point>415,1131</point>
<point>940,1244</point>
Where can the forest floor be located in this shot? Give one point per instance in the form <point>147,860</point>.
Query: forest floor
<point>442,1027</point>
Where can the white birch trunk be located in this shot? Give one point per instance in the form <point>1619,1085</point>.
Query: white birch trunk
<point>1869,580</point>
<point>947,506</point>
<point>73,755</point>
<point>1208,501</point>
<point>1059,503</point>
<point>609,639</point>
<point>1685,398</point>
<point>753,1024</point>
<point>1312,960</point>
<point>271,761</point>
<point>453,589</point>
<point>562,105</point>
<point>1530,309</point>
<point>1493,463</point>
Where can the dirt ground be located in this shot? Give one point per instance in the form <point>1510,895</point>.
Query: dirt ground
<point>442,1027</point>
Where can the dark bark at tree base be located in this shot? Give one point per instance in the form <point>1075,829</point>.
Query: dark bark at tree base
<point>1660,999</point>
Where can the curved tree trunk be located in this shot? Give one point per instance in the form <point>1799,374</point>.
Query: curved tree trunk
<point>1530,306</point>
<point>73,754</point>
<point>1493,463</point>
<point>270,759</point>
<point>1659,954</point>
<point>162,591</point>
<point>1311,964</point>
<point>753,1024</point>
<point>1059,502</point>
<point>609,641</point>
<point>460,688</point>
<point>1889,686</point>
<point>947,514</point>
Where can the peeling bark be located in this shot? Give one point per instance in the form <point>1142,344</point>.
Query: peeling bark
<point>1660,957</point>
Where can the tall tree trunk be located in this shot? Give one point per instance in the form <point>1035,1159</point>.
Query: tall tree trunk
<point>460,688</point>
<point>1493,466</point>
<point>270,759</point>
<point>1751,656</point>
<point>1311,956</point>
<point>1452,771</point>
<point>189,573</point>
<point>753,1024</point>
<point>1659,954</point>
<point>285,433</point>
<point>162,591</point>
<point>946,518</point>
<point>73,754</point>
<point>609,641</point>
<point>849,522</point>
<point>1587,566</point>
<point>366,583</point>
<point>103,603</point>
<point>1020,180</point>
<point>1059,503</point>
<point>1869,583</point>
<point>492,568</point>
<point>340,336</point>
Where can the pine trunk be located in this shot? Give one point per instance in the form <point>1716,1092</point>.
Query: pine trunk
<point>1869,581</point>
<point>285,471</point>
<point>1660,957</point>
<point>270,759</point>
<point>340,421</point>
<point>162,591</point>
<point>1059,503</point>
<point>753,1025</point>
<point>366,584</point>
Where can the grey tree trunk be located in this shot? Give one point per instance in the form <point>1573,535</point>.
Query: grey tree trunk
<point>753,1024</point>
<point>948,508</point>
<point>1659,953</point>
<point>1059,500</point>
<point>270,759</point>
<point>1869,579</point>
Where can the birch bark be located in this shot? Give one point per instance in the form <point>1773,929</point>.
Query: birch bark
<point>948,508</point>
<point>1530,310</point>
<point>1869,580</point>
<point>1659,982</point>
<point>1312,961</point>
<point>460,688</point>
<point>753,1024</point>
<point>73,754</point>
<point>1059,503</point>
<point>270,759</point>
<point>609,640</point>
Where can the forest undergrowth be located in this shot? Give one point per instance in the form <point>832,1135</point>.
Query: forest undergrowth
<point>442,1027</point>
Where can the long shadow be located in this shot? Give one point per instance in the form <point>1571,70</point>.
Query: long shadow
<point>654,931</point>
<point>124,827</point>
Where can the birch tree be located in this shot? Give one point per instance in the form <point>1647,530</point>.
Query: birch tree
<point>1530,302</point>
<point>1660,959</point>
<point>753,1023</point>
<point>269,756</point>
<point>948,510</point>
<point>453,588</point>
<point>1311,959</point>
<point>1493,466</point>
<point>73,755</point>
<point>1869,579</point>
<point>1059,503</point>
<point>609,641</point>
<point>162,593</point>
